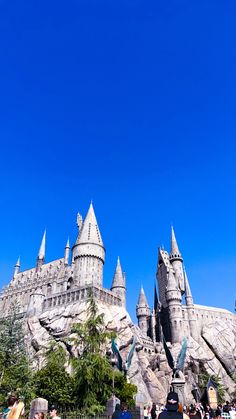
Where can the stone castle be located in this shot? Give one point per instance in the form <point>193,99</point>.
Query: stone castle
<point>61,283</point>
<point>46,291</point>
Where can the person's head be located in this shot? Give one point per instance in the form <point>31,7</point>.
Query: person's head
<point>172,402</point>
<point>124,406</point>
<point>53,411</point>
<point>12,400</point>
<point>192,410</point>
<point>36,415</point>
<point>41,415</point>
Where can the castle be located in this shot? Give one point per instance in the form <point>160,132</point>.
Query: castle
<point>61,283</point>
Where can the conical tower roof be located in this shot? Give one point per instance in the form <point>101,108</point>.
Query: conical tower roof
<point>18,262</point>
<point>142,301</point>
<point>118,280</point>
<point>89,232</point>
<point>41,254</point>
<point>174,249</point>
<point>187,287</point>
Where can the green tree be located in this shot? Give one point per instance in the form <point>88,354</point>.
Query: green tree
<point>16,375</point>
<point>92,370</point>
<point>124,391</point>
<point>52,382</point>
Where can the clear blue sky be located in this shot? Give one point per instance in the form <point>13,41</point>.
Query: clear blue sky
<point>132,104</point>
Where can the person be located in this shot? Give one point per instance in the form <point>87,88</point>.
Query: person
<point>154,411</point>
<point>15,408</point>
<point>42,415</point>
<point>193,413</point>
<point>145,412</point>
<point>117,411</point>
<point>53,412</point>
<point>172,405</point>
<point>125,414</point>
<point>36,415</point>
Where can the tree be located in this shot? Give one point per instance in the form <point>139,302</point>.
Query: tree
<point>92,370</point>
<point>124,391</point>
<point>52,382</point>
<point>16,375</point>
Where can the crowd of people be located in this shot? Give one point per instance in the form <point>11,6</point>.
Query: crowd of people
<point>171,410</point>
<point>175,410</point>
<point>15,410</point>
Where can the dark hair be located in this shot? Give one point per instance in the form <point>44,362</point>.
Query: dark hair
<point>124,406</point>
<point>12,400</point>
<point>42,415</point>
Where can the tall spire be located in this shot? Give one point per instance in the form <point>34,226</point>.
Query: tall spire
<point>17,266</point>
<point>89,231</point>
<point>188,294</point>
<point>118,279</point>
<point>67,252</point>
<point>156,302</point>
<point>41,254</point>
<point>174,250</point>
<point>142,301</point>
<point>118,284</point>
<point>88,251</point>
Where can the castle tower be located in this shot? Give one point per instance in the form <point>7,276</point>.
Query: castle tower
<point>174,300</point>
<point>190,309</point>
<point>143,312</point>
<point>35,305</point>
<point>17,267</point>
<point>88,252</point>
<point>118,284</point>
<point>176,261</point>
<point>67,253</point>
<point>41,254</point>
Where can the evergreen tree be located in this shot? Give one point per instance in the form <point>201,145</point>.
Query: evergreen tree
<point>93,372</point>
<point>16,375</point>
<point>52,382</point>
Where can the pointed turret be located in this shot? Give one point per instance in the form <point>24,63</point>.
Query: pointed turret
<point>142,300</point>
<point>88,252</point>
<point>156,301</point>
<point>143,312</point>
<point>190,309</point>
<point>67,252</point>
<point>41,254</point>
<point>188,294</point>
<point>89,231</point>
<point>17,266</point>
<point>118,284</point>
<point>174,250</point>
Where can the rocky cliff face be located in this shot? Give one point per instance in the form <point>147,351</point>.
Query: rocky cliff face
<point>215,351</point>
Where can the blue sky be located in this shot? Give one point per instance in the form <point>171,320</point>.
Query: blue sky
<point>130,104</point>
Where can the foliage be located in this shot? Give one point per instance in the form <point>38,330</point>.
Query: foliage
<point>92,370</point>
<point>203,380</point>
<point>124,391</point>
<point>16,375</point>
<point>53,382</point>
